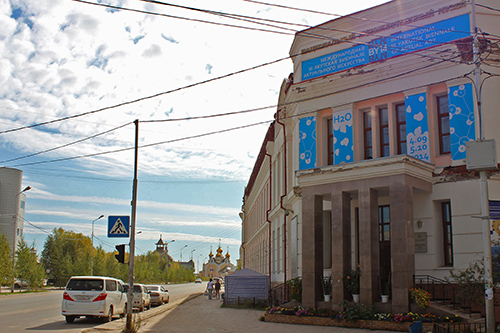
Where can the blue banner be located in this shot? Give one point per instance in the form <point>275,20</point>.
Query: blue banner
<point>462,129</point>
<point>387,47</point>
<point>307,143</point>
<point>342,137</point>
<point>417,127</point>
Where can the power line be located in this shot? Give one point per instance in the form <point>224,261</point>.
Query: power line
<point>146,145</point>
<point>488,7</point>
<point>65,145</point>
<point>166,92</point>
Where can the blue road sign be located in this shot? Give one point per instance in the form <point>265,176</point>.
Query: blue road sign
<point>118,226</point>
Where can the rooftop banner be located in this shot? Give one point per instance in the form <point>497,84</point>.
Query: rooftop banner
<point>387,47</point>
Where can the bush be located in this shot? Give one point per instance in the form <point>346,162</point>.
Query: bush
<point>295,286</point>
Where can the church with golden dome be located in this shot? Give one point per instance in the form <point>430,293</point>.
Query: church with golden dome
<point>218,265</point>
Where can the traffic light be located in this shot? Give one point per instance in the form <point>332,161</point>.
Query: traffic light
<point>121,253</point>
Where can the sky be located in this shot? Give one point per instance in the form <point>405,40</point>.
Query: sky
<point>101,67</point>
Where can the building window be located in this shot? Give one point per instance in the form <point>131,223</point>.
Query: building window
<point>329,125</point>
<point>444,124</point>
<point>384,219</point>
<point>384,132</point>
<point>447,233</point>
<point>401,128</point>
<point>367,135</point>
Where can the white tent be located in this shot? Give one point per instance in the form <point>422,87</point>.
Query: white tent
<point>246,283</point>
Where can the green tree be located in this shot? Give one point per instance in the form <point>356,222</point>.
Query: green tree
<point>28,268</point>
<point>65,254</point>
<point>6,268</point>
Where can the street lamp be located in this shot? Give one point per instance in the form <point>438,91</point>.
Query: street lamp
<point>16,218</point>
<point>192,253</point>
<point>181,250</point>
<point>198,261</point>
<point>92,257</point>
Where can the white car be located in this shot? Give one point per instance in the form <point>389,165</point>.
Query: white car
<point>93,297</point>
<point>159,295</point>
<point>141,298</point>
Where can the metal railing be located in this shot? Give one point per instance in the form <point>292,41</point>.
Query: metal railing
<point>279,294</point>
<point>445,293</point>
<point>459,327</point>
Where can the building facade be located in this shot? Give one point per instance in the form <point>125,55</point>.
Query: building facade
<point>366,163</point>
<point>217,266</point>
<point>12,206</point>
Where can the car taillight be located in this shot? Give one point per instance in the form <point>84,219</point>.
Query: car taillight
<point>67,297</point>
<point>101,297</point>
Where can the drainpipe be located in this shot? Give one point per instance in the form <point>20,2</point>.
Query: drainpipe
<point>268,211</point>
<point>284,195</point>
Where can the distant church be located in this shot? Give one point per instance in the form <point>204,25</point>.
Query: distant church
<point>218,265</point>
<point>161,248</point>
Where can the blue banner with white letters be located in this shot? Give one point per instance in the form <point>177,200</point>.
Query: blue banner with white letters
<point>342,137</point>
<point>307,143</point>
<point>417,128</point>
<point>462,127</point>
<point>387,47</point>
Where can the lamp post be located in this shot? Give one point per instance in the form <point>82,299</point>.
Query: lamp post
<point>16,218</point>
<point>191,256</point>
<point>198,261</point>
<point>181,250</point>
<point>92,257</point>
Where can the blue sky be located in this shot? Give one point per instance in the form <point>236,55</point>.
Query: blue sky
<point>63,58</point>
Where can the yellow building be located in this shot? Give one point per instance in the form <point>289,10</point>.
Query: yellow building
<point>218,265</point>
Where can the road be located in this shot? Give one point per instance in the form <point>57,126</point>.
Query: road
<point>41,312</point>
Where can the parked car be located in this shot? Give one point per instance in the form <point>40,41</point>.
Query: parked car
<point>159,295</point>
<point>141,297</point>
<point>198,280</point>
<point>93,297</point>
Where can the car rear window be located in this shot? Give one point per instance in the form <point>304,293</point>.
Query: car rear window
<point>111,285</point>
<point>153,288</point>
<point>85,284</point>
<point>137,289</point>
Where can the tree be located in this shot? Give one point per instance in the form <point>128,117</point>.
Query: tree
<point>28,268</point>
<point>65,254</point>
<point>6,269</point>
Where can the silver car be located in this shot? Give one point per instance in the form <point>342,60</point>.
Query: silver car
<point>141,298</point>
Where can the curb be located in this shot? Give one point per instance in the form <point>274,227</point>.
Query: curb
<point>118,325</point>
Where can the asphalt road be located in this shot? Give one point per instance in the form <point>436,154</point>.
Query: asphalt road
<point>41,312</point>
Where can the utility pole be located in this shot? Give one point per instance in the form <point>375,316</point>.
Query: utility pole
<point>483,183</point>
<point>129,325</point>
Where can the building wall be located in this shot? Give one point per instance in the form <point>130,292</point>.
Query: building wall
<point>414,186</point>
<point>11,205</point>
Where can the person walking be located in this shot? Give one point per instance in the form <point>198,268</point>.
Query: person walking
<point>217,288</point>
<point>210,287</point>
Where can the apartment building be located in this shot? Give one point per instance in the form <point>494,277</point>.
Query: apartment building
<point>366,163</point>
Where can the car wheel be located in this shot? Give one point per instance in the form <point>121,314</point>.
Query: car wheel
<point>124,313</point>
<point>149,306</point>
<point>141,308</point>
<point>168,299</point>
<point>70,319</point>
<point>110,315</point>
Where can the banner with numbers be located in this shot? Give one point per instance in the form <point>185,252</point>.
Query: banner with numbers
<point>417,128</point>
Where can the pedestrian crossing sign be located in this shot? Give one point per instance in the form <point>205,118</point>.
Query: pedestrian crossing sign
<point>118,226</point>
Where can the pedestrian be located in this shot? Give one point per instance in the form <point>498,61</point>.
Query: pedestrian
<point>210,287</point>
<point>217,288</point>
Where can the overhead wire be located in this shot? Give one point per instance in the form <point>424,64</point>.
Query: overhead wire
<point>66,145</point>
<point>154,95</point>
<point>147,145</point>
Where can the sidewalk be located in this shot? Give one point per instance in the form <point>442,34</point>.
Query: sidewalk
<point>202,315</point>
